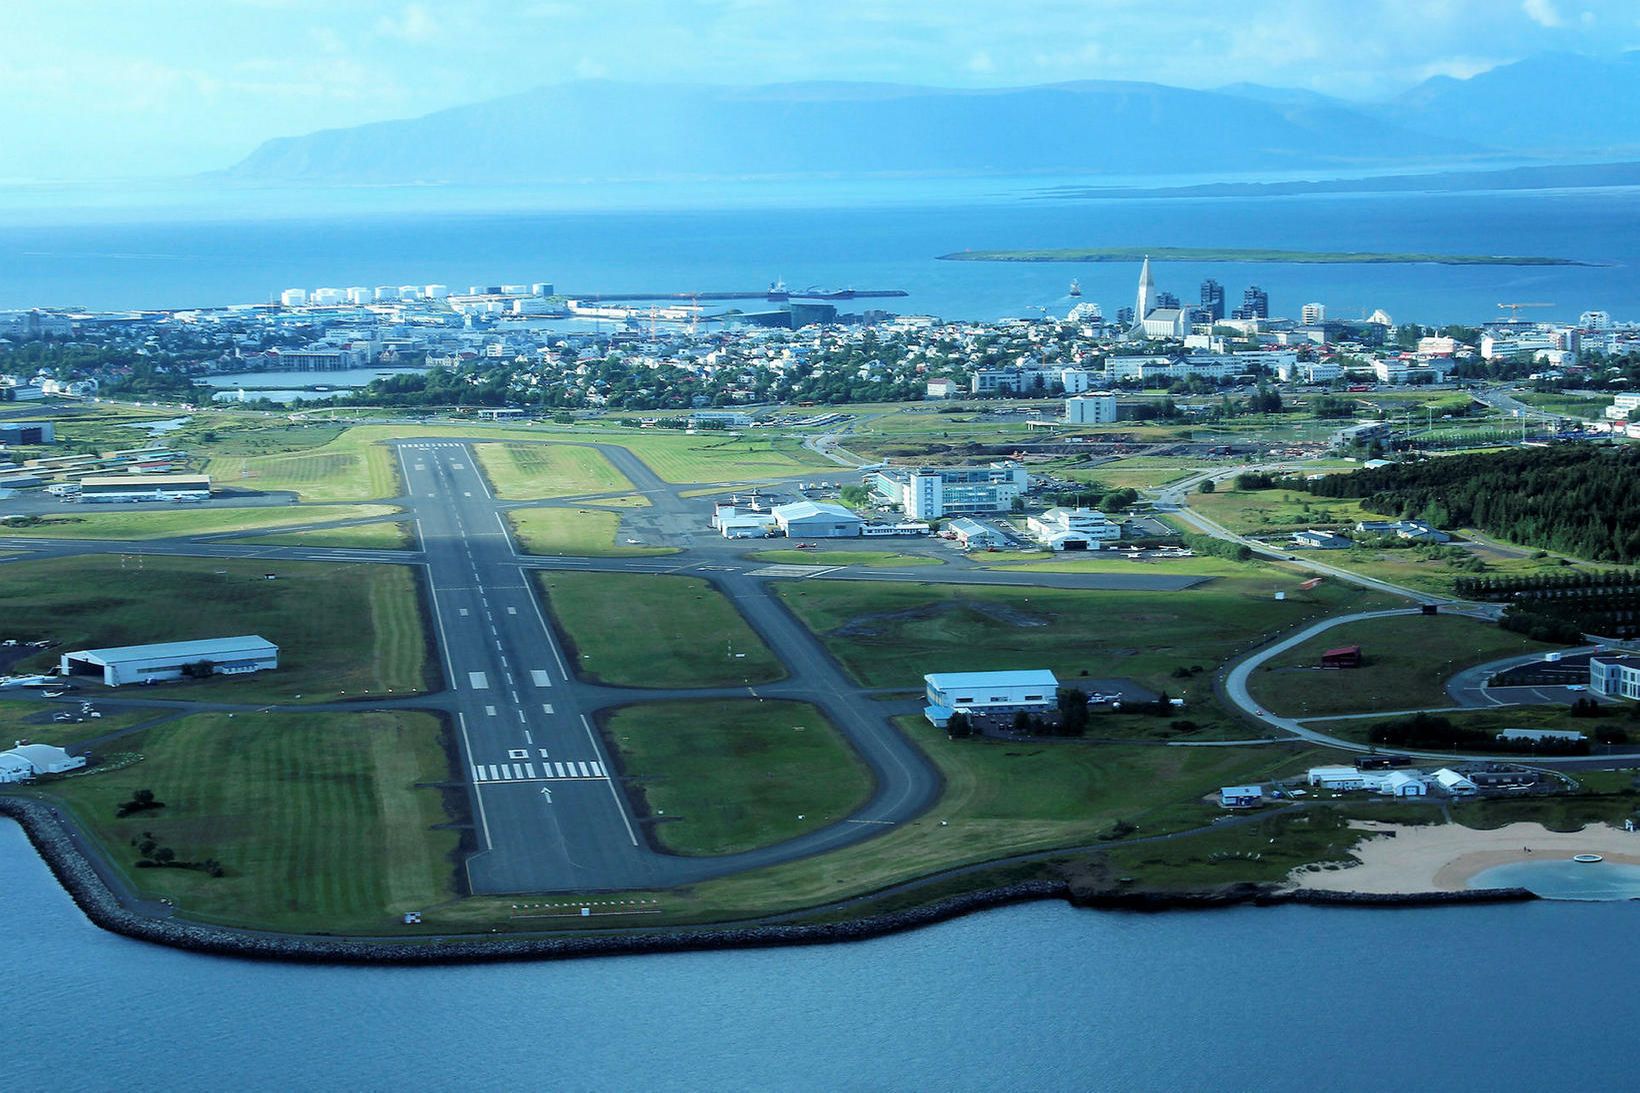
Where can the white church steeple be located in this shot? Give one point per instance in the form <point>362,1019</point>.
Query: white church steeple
<point>1147,289</point>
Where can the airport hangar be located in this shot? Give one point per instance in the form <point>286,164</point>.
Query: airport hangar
<point>817,520</point>
<point>145,487</point>
<point>170,660</point>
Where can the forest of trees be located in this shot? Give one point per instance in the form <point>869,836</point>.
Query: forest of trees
<point>1582,499</point>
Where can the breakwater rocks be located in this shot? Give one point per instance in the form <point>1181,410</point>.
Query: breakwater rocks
<point>83,883</point>
<point>1266,895</point>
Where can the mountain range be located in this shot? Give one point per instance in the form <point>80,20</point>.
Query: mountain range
<point>1544,107</point>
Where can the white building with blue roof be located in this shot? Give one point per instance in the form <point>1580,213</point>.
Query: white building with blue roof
<point>988,693</point>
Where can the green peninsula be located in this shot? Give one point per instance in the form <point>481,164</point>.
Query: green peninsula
<point>1231,254</point>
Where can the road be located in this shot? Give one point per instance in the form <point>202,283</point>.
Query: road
<point>1237,691</point>
<point>1173,500</point>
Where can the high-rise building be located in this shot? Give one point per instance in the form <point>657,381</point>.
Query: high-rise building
<point>1313,314</point>
<point>1124,317</point>
<point>1166,299</point>
<point>1213,300</point>
<point>1255,304</point>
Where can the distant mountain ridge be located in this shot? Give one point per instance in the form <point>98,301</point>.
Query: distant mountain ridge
<point>601,130</point>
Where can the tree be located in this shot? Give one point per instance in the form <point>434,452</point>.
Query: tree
<point>1207,486</point>
<point>960,726</point>
<point>1117,500</point>
<point>854,496</point>
<point>1073,711</point>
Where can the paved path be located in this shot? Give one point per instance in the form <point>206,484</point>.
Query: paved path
<point>1236,690</point>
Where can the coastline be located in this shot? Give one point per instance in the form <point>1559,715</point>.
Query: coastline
<point>105,909</point>
<point>1446,857</point>
<point>1276,257</point>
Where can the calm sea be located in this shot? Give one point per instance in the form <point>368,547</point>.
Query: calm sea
<point>180,254</point>
<point>1486,998</point>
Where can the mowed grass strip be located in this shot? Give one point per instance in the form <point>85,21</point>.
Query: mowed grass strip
<point>1407,660</point>
<point>342,630</point>
<point>871,559</point>
<point>528,472</point>
<point>650,630</point>
<point>889,634</point>
<point>382,535</point>
<point>722,777</point>
<point>717,457</point>
<point>95,522</point>
<point>352,467</point>
<point>317,819</point>
<point>577,532</point>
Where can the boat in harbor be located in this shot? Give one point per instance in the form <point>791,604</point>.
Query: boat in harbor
<point>1076,288</point>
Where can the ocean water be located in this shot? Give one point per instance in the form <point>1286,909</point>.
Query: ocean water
<point>295,386</point>
<point>1565,879</point>
<point>881,239</point>
<point>1034,997</point>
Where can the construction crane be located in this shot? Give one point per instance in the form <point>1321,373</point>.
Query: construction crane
<point>1514,309</point>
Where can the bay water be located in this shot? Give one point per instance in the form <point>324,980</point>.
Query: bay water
<point>877,240</point>
<point>1043,996</point>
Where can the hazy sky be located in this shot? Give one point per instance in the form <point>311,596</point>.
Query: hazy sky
<point>99,87</point>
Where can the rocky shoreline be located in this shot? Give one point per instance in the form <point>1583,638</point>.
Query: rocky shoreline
<point>103,907</point>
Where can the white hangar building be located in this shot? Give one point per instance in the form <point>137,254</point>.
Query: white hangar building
<point>167,660</point>
<point>27,761</point>
<point>817,520</point>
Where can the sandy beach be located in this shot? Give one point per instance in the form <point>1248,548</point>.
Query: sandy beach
<point>1443,858</point>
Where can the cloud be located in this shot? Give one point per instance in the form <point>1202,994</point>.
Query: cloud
<point>980,62</point>
<point>414,24</point>
<point>1459,68</point>
<point>1542,12</point>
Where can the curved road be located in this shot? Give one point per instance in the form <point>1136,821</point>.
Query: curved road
<point>1236,689</point>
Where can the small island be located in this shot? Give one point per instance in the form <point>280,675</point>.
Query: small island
<point>1232,254</point>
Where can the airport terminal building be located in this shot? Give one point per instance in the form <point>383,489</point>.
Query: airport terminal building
<point>930,493</point>
<point>173,660</point>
